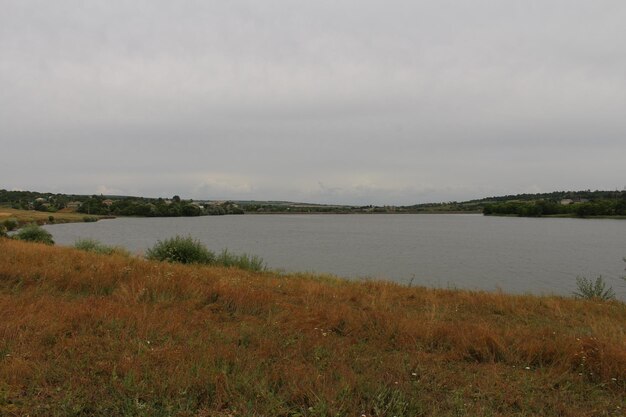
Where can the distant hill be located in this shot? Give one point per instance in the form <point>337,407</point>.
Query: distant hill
<point>580,203</point>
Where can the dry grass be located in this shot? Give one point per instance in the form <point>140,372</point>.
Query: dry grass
<point>40,217</point>
<point>88,334</point>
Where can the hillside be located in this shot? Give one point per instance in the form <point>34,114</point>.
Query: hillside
<point>87,334</point>
<point>519,204</point>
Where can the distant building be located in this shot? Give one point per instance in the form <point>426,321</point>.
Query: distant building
<point>107,202</point>
<point>568,201</point>
<point>73,204</point>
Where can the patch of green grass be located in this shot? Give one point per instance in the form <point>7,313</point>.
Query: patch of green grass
<point>243,261</point>
<point>92,245</point>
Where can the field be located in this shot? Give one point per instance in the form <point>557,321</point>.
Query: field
<point>85,334</point>
<point>41,217</point>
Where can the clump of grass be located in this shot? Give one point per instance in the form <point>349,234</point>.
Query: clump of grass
<point>34,233</point>
<point>90,219</point>
<point>10,224</point>
<point>593,289</point>
<point>186,250</point>
<point>3,231</point>
<point>243,261</point>
<point>180,249</point>
<point>92,245</point>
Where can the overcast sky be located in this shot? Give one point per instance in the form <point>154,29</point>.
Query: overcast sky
<point>356,102</point>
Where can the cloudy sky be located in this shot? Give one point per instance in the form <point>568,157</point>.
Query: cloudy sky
<point>353,101</point>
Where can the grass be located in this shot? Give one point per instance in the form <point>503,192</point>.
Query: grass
<point>89,334</point>
<point>187,250</point>
<point>40,217</point>
<point>92,245</point>
<point>243,261</point>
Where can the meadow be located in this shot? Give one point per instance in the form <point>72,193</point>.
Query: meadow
<point>91,334</point>
<point>41,217</point>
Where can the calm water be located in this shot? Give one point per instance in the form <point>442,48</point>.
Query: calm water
<point>466,251</point>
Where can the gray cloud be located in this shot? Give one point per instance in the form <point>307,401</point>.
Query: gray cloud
<point>381,102</point>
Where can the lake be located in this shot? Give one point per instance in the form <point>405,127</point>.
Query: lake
<point>517,255</point>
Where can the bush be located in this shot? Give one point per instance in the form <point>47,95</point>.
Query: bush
<point>593,290</point>
<point>90,219</point>
<point>34,233</point>
<point>184,250</point>
<point>3,231</point>
<point>91,245</point>
<point>244,261</point>
<point>11,224</point>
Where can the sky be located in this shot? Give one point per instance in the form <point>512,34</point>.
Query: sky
<point>344,101</point>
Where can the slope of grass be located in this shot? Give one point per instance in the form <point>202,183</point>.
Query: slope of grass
<point>89,334</point>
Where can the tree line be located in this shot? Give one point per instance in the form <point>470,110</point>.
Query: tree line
<point>155,207</point>
<point>602,207</point>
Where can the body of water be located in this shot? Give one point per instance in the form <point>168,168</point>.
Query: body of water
<point>518,255</point>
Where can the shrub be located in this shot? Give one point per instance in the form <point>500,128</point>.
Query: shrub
<point>180,249</point>
<point>92,245</point>
<point>186,250</point>
<point>11,224</point>
<point>51,219</point>
<point>244,261</point>
<point>593,290</point>
<point>90,219</point>
<point>34,233</point>
<point>3,231</point>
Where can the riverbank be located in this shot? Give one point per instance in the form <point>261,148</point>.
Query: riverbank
<point>41,217</point>
<point>113,335</point>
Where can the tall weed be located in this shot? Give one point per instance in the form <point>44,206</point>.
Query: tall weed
<point>593,289</point>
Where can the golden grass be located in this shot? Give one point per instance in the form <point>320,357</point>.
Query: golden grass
<point>87,334</point>
<point>40,217</point>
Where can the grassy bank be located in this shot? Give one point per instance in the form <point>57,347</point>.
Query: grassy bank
<point>90,334</point>
<point>41,217</point>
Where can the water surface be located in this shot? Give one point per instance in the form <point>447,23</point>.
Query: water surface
<point>519,255</point>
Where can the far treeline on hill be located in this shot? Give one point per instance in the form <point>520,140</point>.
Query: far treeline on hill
<point>559,203</point>
<point>566,204</point>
